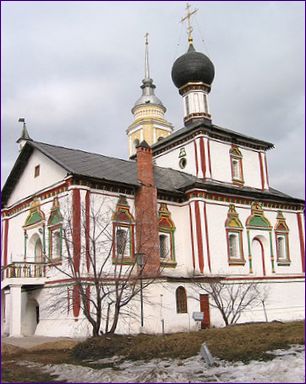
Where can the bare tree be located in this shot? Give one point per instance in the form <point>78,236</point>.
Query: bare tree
<point>232,298</point>
<point>113,282</point>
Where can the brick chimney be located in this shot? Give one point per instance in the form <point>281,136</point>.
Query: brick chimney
<point>147,238</point>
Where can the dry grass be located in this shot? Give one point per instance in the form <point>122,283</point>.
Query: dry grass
<point>240,342</point>
<point>236,343</point>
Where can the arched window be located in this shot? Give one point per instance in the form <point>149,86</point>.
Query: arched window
<point>166,236</point>
<point>236,165</point>
<point>187,105</point>
<point>181,300</point>
<point>234,230</point>
<point>282,240</point>
<point>135,143</point>
<point>123,232</point>
<point>55,222</point>
<point>233,245</point>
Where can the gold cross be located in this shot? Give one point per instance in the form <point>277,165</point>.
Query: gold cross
<point>188,18</point>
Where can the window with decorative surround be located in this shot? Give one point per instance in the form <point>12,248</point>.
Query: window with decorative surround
<point>281,230</point>
<point>123,232</point>
<point>236,165</point>
<point>181,300</point>
<point>234,230</point>
<point>166,236</point>
<point>55,223</point>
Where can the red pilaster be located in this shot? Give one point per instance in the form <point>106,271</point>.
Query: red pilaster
<point>261,172</point>
<point>199,236</point>
<point>196,157</point>
<point>302,243</point>
<point>191,233</point>
<point>76,225</point>
<point>202,153</point>
<point>87,229</point>
<point>266,167</point>
<point>206,234</point>
<point>209,159</point>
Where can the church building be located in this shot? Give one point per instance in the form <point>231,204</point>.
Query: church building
<point>189,206</point>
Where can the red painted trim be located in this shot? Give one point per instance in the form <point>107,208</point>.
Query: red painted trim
<point>76,301</point>
<point>266,167</point>
<point>199,236</point>
<point>5,245</point>
<point>262,256</point>
<point>202,153</point>
<point>191,231</point>
<point>196,156</point>
<point>261,171</point>
<point>76,225</point>
<point>87,229</point>
<point>209,158</point>
<point>301,236</point>
<point>206,234</point>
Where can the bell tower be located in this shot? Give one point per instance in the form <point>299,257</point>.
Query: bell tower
<point>149,113</point>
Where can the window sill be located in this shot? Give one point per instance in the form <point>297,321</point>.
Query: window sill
<point>238,182</point>
<point>168,263</point>
<point>55,262</point>
<point>236,262</point>
<point>283,263</point>
<point>124,261</point>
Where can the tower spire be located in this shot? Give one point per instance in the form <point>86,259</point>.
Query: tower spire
<point>24,137</point>
<point>188,18</point>
<point>147,67</point>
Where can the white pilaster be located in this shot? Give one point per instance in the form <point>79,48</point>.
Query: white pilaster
<point>15,310</point>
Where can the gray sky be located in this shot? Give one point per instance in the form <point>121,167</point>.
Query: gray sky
<point>73,70</point>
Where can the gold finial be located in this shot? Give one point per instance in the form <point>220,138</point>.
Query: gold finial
<point>147,68</point>
<point>188,18</point>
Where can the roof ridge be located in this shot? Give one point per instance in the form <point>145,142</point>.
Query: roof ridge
<point>82,150</point>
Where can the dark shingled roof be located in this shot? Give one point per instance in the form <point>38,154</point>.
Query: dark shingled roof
<point>123,172</point>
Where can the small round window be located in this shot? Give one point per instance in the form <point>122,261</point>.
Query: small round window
<point>182,162</point>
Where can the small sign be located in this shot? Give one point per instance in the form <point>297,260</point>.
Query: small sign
<point>198,316</point>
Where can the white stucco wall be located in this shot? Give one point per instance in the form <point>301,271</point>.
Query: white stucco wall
<point>220,161</point>
<point>50,173</point>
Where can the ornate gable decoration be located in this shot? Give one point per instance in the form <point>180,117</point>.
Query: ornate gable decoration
<point>257,220</point>
<point>122,213</point>
<point>55,214</point>
<point>165,221</point>
<point>281,225</point>
<point>235,151</point>
<point>35,215</point>
<point>232,220</point>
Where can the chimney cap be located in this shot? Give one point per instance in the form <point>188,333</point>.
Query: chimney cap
<point>143,144</point>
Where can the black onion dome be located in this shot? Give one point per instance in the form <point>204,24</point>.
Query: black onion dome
<point>193,66</point>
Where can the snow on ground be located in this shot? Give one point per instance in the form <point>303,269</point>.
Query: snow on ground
<point>287,366</point>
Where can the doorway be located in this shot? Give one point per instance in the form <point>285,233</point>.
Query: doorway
<point>204,307</point>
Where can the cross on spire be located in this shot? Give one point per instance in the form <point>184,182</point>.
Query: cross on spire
<point>188,18</point>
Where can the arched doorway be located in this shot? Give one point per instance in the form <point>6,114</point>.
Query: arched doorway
<point>258,256</point>
<point>30,318</point>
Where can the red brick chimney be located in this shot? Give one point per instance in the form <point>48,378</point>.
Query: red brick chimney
<point>147,238</point>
